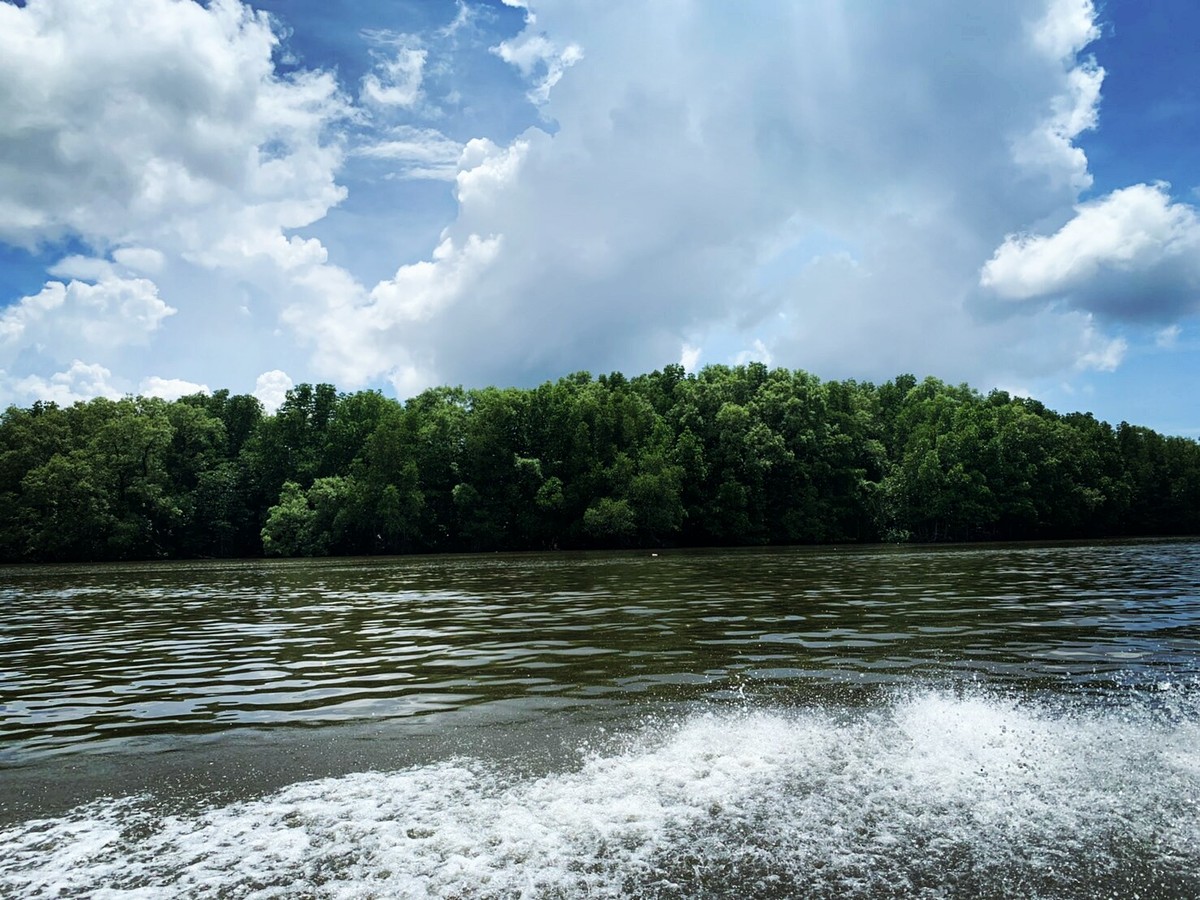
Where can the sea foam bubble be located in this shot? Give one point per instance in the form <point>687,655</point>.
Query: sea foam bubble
<point>936,793</point>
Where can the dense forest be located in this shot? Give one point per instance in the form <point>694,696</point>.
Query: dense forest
<point>743,455</point>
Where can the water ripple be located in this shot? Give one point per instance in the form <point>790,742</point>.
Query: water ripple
<point>97,654</point>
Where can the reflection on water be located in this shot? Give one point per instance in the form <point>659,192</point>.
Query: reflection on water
<point>96,654</point>
<point>981,721</point>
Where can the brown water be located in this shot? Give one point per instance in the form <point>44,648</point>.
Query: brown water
<point>997,721</point>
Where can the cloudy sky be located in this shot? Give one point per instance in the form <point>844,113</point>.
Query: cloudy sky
<point>401,193</point>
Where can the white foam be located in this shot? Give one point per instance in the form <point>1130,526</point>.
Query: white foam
<point>935,794</point>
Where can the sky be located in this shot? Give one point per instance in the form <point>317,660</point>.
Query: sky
<point>396,194</point>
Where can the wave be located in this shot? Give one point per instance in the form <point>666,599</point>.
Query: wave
<point>935,793</point>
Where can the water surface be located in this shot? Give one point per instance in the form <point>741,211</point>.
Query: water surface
<point>982,721</point>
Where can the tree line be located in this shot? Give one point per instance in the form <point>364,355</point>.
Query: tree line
<point>726,456</point>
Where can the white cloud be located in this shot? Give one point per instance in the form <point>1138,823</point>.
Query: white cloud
<point>538,59</point>
<point>159,135</point>
<point>1016,390</point>
<point>829,183</point>
<point>75,318</point>
<point>1168,337</point>
<point>1105,358</point>
<point>689,357</point>
<point>1098,352</point>
<point>87,268</point>
<point>464,16</point>
<point>420,290</point>
<point>870,162</point>
<point>1050,146</point>
<point>145,260</point>
<point>1067,27</point>
<point>1131,254</point>
<point>170,388</point>
<point>485,171</point>
<point>408,380</point>
<point>361,338</point>
<point>271,389</point>
<point>151,121</point>
<point>757,353</point>
<point>82,381</point>
<point>417,152</point>
<point>397,80</point>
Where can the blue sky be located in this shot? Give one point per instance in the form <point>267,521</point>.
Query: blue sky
<point>401,194</point>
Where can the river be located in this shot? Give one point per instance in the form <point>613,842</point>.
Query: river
<point>982,721</point>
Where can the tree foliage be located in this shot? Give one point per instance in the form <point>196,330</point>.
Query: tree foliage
<point>729,455</point>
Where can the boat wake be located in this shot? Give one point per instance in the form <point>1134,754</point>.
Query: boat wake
<point>935,793</point>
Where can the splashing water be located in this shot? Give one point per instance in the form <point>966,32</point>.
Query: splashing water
<point>933,793</point>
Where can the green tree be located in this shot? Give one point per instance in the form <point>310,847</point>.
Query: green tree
<point>610,522</point>
<point>291,528</point>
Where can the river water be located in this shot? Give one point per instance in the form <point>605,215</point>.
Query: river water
<point>998,721</point>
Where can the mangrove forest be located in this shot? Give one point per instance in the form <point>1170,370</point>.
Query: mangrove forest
<point>726,456</point>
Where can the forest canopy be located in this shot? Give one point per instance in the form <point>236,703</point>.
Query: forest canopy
<point>726,456</point>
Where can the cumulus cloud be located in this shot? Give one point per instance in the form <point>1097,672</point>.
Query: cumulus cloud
<point>81,381</point>
<point>129,120</point>
<point>170,388</point>
<point>1066,28</point>
<point>485,171</point>
<point>366,337</point>
<point>1050,145</point>
<point>159,135</point>
<point>419,291</point>
<point>271,389</point>
<point>831,195</point>
<point>1132,254</point>
<point>77,317</point>
<point>856,189</point>
<point>689,357</point>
